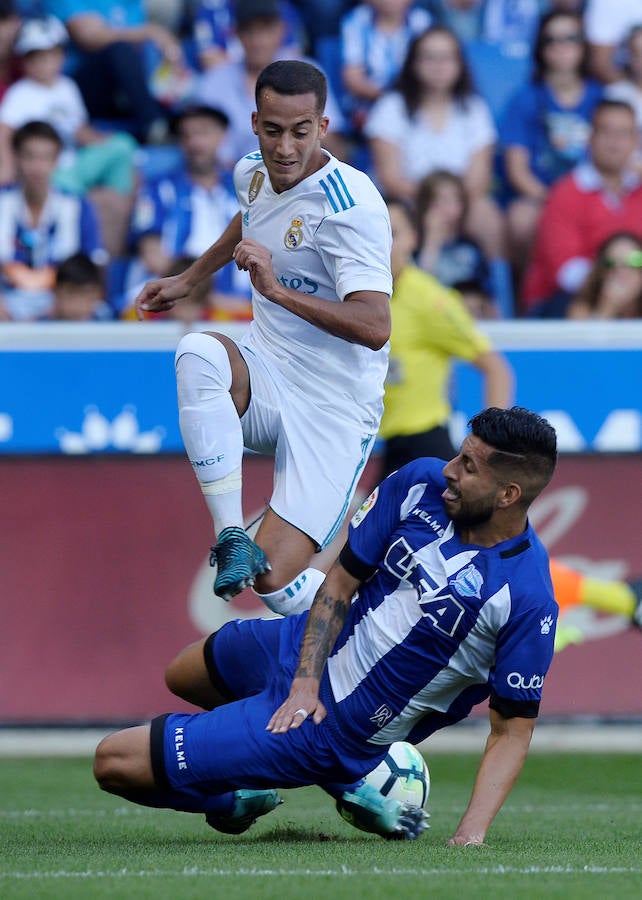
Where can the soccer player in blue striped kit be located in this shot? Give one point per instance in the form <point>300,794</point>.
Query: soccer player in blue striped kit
<point>440,598</point>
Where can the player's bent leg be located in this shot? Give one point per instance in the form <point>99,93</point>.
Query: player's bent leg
<point>122,763</point>
<point>213,392</point>
<point>125,765</point>
<point>291,584</point>
<point>187,676</point>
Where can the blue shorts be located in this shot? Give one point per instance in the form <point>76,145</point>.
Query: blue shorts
<point>229,748</point>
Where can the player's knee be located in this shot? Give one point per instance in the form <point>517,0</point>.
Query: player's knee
<point>108,770</point>
<point>200,356</point>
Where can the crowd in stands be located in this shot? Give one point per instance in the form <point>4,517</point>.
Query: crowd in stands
<point>510,130</point>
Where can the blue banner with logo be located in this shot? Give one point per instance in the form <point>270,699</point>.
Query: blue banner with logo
<point>110,388</point>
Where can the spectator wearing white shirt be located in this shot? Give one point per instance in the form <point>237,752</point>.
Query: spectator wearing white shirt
<point>435,120</point>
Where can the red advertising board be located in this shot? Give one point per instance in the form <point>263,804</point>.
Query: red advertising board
<point>105,577</point>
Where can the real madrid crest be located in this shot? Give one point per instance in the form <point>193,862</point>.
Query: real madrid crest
<point>255,186</point>
<point>294,234</point>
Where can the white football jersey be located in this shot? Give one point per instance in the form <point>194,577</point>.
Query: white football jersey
<point>329,235</point>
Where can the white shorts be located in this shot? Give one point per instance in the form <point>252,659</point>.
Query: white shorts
<point>318,458</point>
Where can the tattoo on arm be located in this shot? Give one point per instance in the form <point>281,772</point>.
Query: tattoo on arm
<point>327,615</point>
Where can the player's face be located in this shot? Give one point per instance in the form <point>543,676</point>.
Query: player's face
<point>289,129</point>
<point>472,488</point>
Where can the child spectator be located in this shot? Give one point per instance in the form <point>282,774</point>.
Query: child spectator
<point>176,215</point>
<point>40,226</point>
<point>546,128</point>
<point>79,291</point>
<point>434,120</point>
<point>216,38</point>
<point>375,37</point>
<point>444,250</point>
<point>90,159</point>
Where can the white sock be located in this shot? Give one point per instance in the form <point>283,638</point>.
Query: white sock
<point>210,425</point>
<point>295,597</point>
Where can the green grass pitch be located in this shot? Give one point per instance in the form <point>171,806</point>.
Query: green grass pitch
<point>571,828</point>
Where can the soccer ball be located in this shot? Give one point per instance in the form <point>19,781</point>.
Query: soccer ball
<point>403,775</point>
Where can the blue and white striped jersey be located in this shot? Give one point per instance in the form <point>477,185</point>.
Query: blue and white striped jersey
<point>188,218</point>
<point>329,235</point>
<point>441,625</point>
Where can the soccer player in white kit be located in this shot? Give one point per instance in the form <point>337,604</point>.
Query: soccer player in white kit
<point>306,381</point>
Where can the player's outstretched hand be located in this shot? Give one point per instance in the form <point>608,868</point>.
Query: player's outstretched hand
<point>161,295</point>
<point>257,260</point>
<point>302,702</point>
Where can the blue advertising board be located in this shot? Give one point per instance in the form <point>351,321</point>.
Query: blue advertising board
<point>95,388</point>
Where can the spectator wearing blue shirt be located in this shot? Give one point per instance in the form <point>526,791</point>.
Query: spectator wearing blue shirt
<point>547,125</point>
<point>215,32</point>
<point>39,226</point>
<point>175,216</point>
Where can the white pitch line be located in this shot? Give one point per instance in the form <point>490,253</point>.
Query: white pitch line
<point>341,872</point>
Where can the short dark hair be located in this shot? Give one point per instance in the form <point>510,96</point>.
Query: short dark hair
<point>524,445</point>
<point>607,103</point>
<point>78,270</point>
<point>201,111</point>
<point>7,9</point>
<point>35,129</point>
<point>292,77</point>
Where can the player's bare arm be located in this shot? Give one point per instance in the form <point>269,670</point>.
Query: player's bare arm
<point>327,616</point>
<point>363,317</point>
<point>504,755</point>
<point>164,293</point>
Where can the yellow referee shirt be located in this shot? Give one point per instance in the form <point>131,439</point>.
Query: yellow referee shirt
<point>430,327</point>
